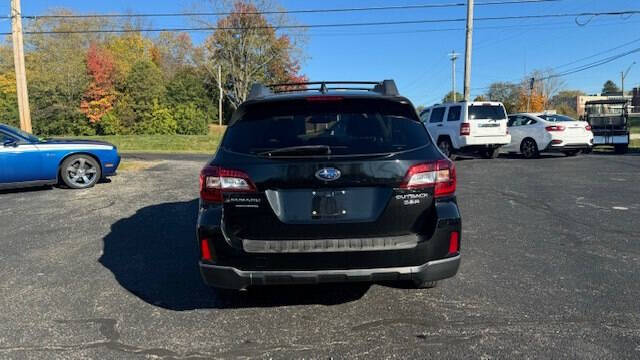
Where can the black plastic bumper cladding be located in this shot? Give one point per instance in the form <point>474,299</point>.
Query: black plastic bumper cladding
<point>432,246</point>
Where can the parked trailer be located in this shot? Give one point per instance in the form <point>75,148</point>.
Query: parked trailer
<point>609,120</point>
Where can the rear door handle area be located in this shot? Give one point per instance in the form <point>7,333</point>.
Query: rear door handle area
<point>439,125</point>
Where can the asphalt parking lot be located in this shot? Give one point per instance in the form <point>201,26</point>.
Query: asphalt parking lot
<point>551,255</point>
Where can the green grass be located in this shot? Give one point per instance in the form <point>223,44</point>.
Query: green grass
<point>162,143</point>
<point>165,143</point>
<point>635,144</point>
<point>634,122</point>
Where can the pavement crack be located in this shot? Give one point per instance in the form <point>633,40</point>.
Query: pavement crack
<point>108,329</point>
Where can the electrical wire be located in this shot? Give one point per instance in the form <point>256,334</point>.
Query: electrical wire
<point>380,23</point>
<point>303,11</point>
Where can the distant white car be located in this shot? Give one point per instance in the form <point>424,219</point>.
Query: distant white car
<point>467,127</point>
<point>532,134</point>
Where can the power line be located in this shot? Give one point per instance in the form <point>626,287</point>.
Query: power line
<point>591,65</point>
<point>580,68</point>
<point>304,11</point>
<point>379,23</point>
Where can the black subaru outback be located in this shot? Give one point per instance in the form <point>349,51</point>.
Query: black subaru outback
<point>327,183</point>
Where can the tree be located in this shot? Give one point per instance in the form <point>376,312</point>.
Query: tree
<point>8,100</point>
<point>610,88</point>
<point>249,50</point>
<point>535,100</point>
<point>566,102</point>
<point>99,97</point>
<point>127,50</point>
<point>143,87</point>
<point>480,98</point>
<point>172,52</point>
<point>449,97</point>
<point>506,93</point>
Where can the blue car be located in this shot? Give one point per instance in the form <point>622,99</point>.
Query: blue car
<point>26,160</point>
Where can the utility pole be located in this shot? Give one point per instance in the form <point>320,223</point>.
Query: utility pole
<point>18,59</point>
<point>624,76</point>
<point>531,84</point>
<point>220,94</point>
<point>467,52</point>
<point>454,56</point>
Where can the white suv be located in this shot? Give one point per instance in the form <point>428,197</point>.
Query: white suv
<point>465,127</point>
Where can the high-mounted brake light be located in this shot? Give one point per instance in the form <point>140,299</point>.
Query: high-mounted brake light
<point>465,129</point>
<point>324,98</point>
<point>555,128</point>
<point>215,180</point>
<point>440,174</point>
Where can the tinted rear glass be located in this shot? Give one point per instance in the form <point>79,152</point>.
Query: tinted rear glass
<point>347,126</point>
<point>487,112</point>
<point>556,118</point>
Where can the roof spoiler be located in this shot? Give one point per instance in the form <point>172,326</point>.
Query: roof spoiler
<point>385,87</point>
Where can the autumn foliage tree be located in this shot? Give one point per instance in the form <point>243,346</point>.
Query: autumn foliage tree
<point>100,94</point>
<point>250,50</point>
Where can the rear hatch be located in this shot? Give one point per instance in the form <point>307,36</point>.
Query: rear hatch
<point>327,168</point>
<point>487,119</point>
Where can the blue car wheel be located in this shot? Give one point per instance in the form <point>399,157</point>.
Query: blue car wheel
<point>80,171</point>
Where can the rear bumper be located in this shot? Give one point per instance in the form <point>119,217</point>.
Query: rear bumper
<point>232,278</point>
<point>567,147</point>
<point>484,141</point>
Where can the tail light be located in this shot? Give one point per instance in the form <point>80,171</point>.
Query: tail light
<point>440,174</point>
<point>454,242</point>
<point>214,181</point>
<point>205,252</point>
<point>555,128</point>
<point>465,129</point>
<point>588,128</point>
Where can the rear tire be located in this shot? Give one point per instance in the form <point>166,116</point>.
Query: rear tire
<point>80,171</point>
<point>529,149</point>
<point>444,144</point>
<point>622,148</point>
<point>425,284</point>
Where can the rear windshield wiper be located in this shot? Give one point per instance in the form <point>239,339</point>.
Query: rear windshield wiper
<point>304,149</point>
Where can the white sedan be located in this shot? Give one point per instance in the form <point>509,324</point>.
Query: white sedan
<point>532,134</point>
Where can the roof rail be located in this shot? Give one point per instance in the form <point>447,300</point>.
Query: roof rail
<point>385,87</point>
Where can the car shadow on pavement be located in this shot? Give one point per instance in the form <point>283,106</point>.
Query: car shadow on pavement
<point>153,255</point>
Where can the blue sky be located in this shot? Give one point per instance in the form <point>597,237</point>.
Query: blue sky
<point>416,57</point>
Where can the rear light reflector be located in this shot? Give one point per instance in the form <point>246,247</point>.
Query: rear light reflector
<point>555,128</point>
<point>440,174</point>
<point>454,242</point>
<point>465,129</point>
<point>556,142</point>
<point>214,181</point>
<point>205,252</point>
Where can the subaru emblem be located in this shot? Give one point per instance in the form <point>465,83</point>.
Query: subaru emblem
<point>328,174</point>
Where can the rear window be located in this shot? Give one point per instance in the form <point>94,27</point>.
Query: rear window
<point>487,112</point>
<point>556,118</point>
<point>338,126</point>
